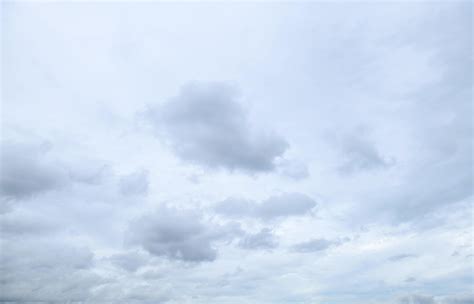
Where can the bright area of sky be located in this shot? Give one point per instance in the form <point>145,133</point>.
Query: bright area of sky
<point>236,153</point>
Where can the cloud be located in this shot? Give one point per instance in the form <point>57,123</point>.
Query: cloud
<point>424,191</point>
<point>288,204</point>
<point>284,205</point>
<point>29,168</point>
<point>135,183</point>
<point>264,239</point>
<point>17,224</point>
<point>129,261</point>
<point>293,169</point>
<point>315,245</point>
<point>206,125</point>
<point>45,270</point>
<point>416,299</point>
<point>399,257</point>
<point>409,280</point>
<point>359,153</point>
<point>237,208</point>
<point>459,299</point>
<point>26,170</point>
<point>433,186</point>
<point>406,73</point>
<point>425,299</point>
<point>89,172</point>
<point>179,235</point>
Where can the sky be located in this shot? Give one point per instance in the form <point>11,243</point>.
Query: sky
<point>241,152</point>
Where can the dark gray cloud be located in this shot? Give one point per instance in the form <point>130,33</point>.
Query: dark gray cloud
<point>264,239</point>
<point>284,205</point>
<point>26,170</point>
<point>315,245</point>
<point>206,125</point>
<point>135,183</point>
<point>179,235</point>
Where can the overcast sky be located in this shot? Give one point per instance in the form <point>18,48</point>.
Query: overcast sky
<point>237,153</point>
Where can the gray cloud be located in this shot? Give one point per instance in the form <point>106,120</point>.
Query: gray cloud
<point>425,299</point>
<point>206,125</point>
<point>459,299</point>
<point>407,74</point>
<point>14,225</point>
<point>26,170</point>
<point>359,153</point>
<point>315,245</point>
<point>29,168</point>
<point>422,193</point>
<point>416,299</point>
<point>234,207</point>
<point>288,204</point>
<point>264,239</point>
<point>433,186</point>
<point>409,280</point>
<point>179,235</point>
<point>89,172</point>
<point>135,183</point>
<point>399,257</point>
<point>129,261</point>
<point>44,271</point>
<point>293,169</point>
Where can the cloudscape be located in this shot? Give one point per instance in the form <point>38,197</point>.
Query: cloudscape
<point>241,152</point>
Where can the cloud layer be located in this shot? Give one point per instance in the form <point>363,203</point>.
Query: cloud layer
<point>242,153</point>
